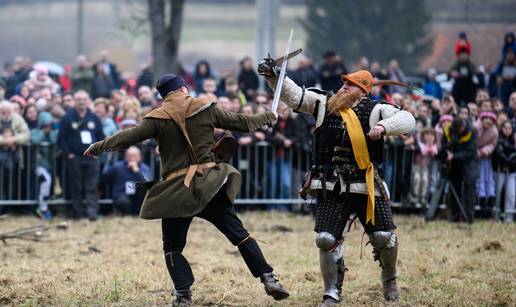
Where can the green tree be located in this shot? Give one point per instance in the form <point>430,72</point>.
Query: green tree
<point>380,30</point>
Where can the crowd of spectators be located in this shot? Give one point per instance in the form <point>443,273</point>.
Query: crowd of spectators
<point>90,101</point>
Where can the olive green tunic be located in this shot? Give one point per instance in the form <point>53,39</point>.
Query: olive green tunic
<point>171,198</point>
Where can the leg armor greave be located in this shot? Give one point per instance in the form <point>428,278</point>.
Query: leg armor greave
<point>332,269</point>
<point>385,250</point>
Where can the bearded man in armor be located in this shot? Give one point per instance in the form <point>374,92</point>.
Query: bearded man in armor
<point>347,175</point>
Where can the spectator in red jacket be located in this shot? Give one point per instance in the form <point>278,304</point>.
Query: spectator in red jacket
<point>462,44</point>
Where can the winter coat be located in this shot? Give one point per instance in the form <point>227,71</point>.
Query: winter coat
<point>35,85</point>
<point>433,88</point>
<point>45,152</point>
<point>286,128</point>
<point>111,71</point>
<point>76,133</point>
<point>102,86</point>
<point>82,79</point>
<point>119,175</point>
<point>425,153</point>
<point>486,139</point>
<point>145,78</point>
<point>248,80</point>
<point>508,73</point>
<point>464,164</point>
<point>109,126</point>
<point>464,89</point>
<point>330,76</point>
<point>306,77</point>
<point>504,156</point>
<point>20,129</point>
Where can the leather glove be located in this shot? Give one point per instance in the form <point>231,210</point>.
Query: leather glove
<point>266,68</point>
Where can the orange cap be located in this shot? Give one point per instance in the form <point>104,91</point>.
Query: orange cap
<point>362,78</point>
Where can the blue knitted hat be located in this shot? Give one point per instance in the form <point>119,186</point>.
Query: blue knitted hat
<point>169,83</point>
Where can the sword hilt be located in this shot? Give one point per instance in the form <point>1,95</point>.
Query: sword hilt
<point>268,128</point>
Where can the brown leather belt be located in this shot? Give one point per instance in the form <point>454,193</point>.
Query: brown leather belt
<point>190,172</point>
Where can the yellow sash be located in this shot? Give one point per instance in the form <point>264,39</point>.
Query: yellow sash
<point>463,139</point>
<point>358,142</point>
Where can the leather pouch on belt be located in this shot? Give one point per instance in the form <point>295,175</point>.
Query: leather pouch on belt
<point>225,148</point>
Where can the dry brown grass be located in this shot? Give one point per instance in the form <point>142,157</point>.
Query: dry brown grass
<point>118,261</point>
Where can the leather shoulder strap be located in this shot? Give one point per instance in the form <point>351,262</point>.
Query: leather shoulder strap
<point>182,126</point>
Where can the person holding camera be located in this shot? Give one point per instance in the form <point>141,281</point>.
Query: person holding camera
<point>459,156</point>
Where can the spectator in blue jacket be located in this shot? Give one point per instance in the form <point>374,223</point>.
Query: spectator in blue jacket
<point>79,129</point>
<point>122,177</point>
<point>431,86</point>
<point>108,124</point>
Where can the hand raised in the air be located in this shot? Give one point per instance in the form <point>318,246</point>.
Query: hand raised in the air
<point>266,68</point>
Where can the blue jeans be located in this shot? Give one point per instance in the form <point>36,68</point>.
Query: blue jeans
<point>486,182</point>
<point>279,182</point>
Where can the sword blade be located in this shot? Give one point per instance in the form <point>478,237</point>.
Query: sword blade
<point>279,84</point>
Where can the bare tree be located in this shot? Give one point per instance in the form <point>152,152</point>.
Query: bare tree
<point>165,31</point>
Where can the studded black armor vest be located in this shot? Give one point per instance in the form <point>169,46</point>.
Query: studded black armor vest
<point>332,146</point>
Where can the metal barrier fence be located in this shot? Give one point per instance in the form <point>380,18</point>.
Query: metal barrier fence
<point>270,176</point>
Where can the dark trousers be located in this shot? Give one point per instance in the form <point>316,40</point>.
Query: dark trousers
<point>466,192</point>
<point>221,213</point>
<point>129,204</point>
<point>83,175</point>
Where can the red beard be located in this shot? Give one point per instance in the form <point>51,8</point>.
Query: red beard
<point>341,101</point>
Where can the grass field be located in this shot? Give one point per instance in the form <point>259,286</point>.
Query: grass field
<point>118,262</point>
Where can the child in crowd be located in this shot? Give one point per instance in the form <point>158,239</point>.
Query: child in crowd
<point>426,150</point>
<point>462,44</point>
<point>486,144</point>
<point>45,137</point>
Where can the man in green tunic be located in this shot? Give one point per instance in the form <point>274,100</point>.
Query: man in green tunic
<point>193,184</point>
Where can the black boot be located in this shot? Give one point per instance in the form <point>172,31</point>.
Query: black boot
<point>273,287</point>
<point>491,201</point>
<point>390,291</point>
<point>183,298</point>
